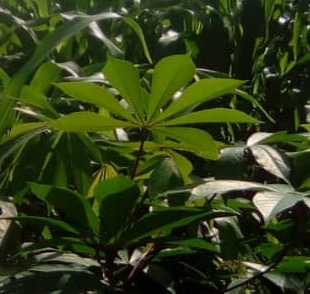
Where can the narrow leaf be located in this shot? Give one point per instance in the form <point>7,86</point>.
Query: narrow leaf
<point>208,189</point>
<point>202,91</point>
<point>94,94</point>
<point>170,74</point>
<point>215,115</point>
<point>124,77</point>
<point>195,140</point>
<point>137,29</point>
<point>86,122</point>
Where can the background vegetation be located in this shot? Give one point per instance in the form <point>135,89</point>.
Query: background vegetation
<point>154,146</point>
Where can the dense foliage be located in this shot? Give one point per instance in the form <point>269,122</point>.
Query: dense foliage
<point>154,146</point>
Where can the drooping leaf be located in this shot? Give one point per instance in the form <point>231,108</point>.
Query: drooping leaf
<point>194,140</point>
<point>48,221</point>
<point>137,29</point>
<point>124,77</point>
<point>94,94</point>
<point>271,203</point>
<point>116,198</point>
<point>272,160</point>
<point>74,205</point>
<point>170,74</point>
<point>47,44</point>
<point>86,122</point>
<point>208,189</point>
<point>215,115</point>
<point>165,176</point>
<point>199,92</point>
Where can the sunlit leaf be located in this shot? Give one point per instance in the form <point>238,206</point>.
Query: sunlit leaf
<point>215,115</point>
<point>199,92</point>
<point>170,74</point>
<point>124,77</point>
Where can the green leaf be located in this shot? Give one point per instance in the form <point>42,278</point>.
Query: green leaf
<point>255,102</point>
<point>94,94</point>
<point>208,189</point>
<point>86,122</point>
<point>165,176</point>
<point>45,76</point>
<point>116,198</point>
<point>48,221</point>
<point>195,243</point>
<point>124,77</point>
<point>272,160</point>
<point>31,96</point>
<point>137,29</point>
<point>163,221</point>
<point>202,91</point>
<point>170,74</point>
<point>215,115</point>
<point>74,205</point>
<point>194,140</point>
<point>46,45</point>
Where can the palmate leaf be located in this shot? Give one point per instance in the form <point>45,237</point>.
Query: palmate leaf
<point>124,77</point>
<point>193,140</point>
<point>86,122</point>
<point>202,91</point>
<point>170,74</point>
<point>215,115</point>
<point>94,94</point>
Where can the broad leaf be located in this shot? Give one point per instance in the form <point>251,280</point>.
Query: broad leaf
<point>272,160</point>
<point>116,198</point>
<point>202,91</point>
<point>74,205</point>
<point>94,94</point>
<point>86,122</point>
<point>124,77</point>
<point>170,74</point>
<point>271,203</point>
<point>165,176</point>
<point>215,115</point>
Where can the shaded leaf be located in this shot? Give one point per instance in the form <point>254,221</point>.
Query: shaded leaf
<point>165,176</point>
<point>116,198</point>
<point>74,205</point>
